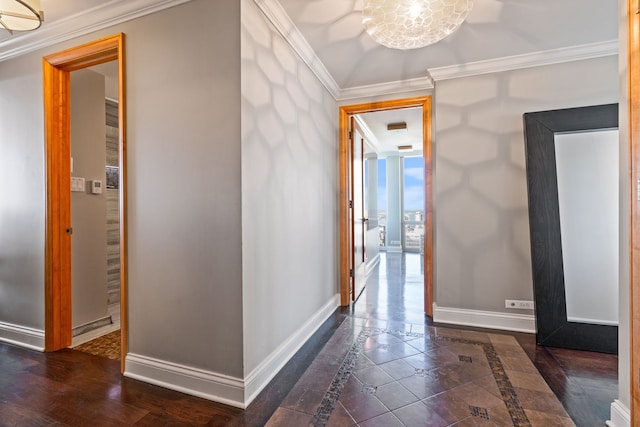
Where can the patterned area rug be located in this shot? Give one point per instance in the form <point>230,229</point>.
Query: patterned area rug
<point>411,375</point>
<point>106,346</point>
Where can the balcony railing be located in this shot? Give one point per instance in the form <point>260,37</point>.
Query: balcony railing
<point>412,238</point>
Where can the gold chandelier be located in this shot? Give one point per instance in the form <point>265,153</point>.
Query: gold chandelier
<point>20,15</point>
<point>411,24</point>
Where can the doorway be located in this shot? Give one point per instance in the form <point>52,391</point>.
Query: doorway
<point>348,284</point>
<point>56,87</point>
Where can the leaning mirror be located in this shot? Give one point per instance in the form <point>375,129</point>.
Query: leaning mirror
<point>572,182</point>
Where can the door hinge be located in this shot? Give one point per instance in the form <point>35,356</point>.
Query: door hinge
<point>351,272</point>
<point>351,201</point>
<point>350,134</point>
<point>638,189</point>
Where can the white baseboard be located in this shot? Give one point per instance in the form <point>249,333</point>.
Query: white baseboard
<point>22,336</point>
<point>223,388</point>
<point>185,379</point>
<point>620,415</point>
<point>485,319</point>
<point>258,379</point>
<point>371,264</point>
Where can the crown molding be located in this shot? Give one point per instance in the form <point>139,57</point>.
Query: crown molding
<point>281,20</point>
<point>420,83</point>
<point>283,24</point>
<point>548,57</point>
<point>106,15</point>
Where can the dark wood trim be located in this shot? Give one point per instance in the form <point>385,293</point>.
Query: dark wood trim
<point>56,87</point>
<point>345,114</point>
<point>553,328</point>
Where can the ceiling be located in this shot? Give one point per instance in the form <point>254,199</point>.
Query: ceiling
<point>331,31</point>
<point>493,29</point>
<point>57,10</point>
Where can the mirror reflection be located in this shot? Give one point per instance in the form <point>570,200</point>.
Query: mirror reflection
<point>587,172</point>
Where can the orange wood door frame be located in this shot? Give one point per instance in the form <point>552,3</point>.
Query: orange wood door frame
<point>634,238</point>
<point>56,85</point>
<point>345,251</point>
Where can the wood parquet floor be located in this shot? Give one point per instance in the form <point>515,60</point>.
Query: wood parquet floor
<point>107,346</point>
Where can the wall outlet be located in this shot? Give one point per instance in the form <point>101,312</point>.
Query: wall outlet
<point>523,305</point>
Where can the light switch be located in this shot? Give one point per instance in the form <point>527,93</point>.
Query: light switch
<point>77,184</point>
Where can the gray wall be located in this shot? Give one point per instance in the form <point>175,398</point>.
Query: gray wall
<point>183,126</point>
<point>22,216</point>
<point>88,211</point>
<point>184,212</point>
<point>289,190</point>
<point>481,216</point>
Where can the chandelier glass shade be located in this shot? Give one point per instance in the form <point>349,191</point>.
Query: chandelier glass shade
<point>20,15</point>
<point>411,24</point>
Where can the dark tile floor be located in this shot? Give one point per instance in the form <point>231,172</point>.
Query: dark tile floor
<point>388,365</point>
<point>411,375</point>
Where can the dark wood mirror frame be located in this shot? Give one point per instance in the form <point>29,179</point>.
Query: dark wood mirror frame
<point>553,327</point>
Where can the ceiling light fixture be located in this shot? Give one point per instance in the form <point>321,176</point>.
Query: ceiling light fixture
<point>20,15</point>
<point>405,148</point>
<point>411,24</point>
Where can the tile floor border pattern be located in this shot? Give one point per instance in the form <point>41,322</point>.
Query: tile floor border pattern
<point>324,411</point>
<point>330,399</point>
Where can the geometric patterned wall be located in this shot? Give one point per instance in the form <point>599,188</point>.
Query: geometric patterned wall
<point>481,210</point>
<point>289,188</point>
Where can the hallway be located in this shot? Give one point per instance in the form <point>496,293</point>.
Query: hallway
<point>376,364</point>
<point>395,290</point>
<point>396,369</point>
